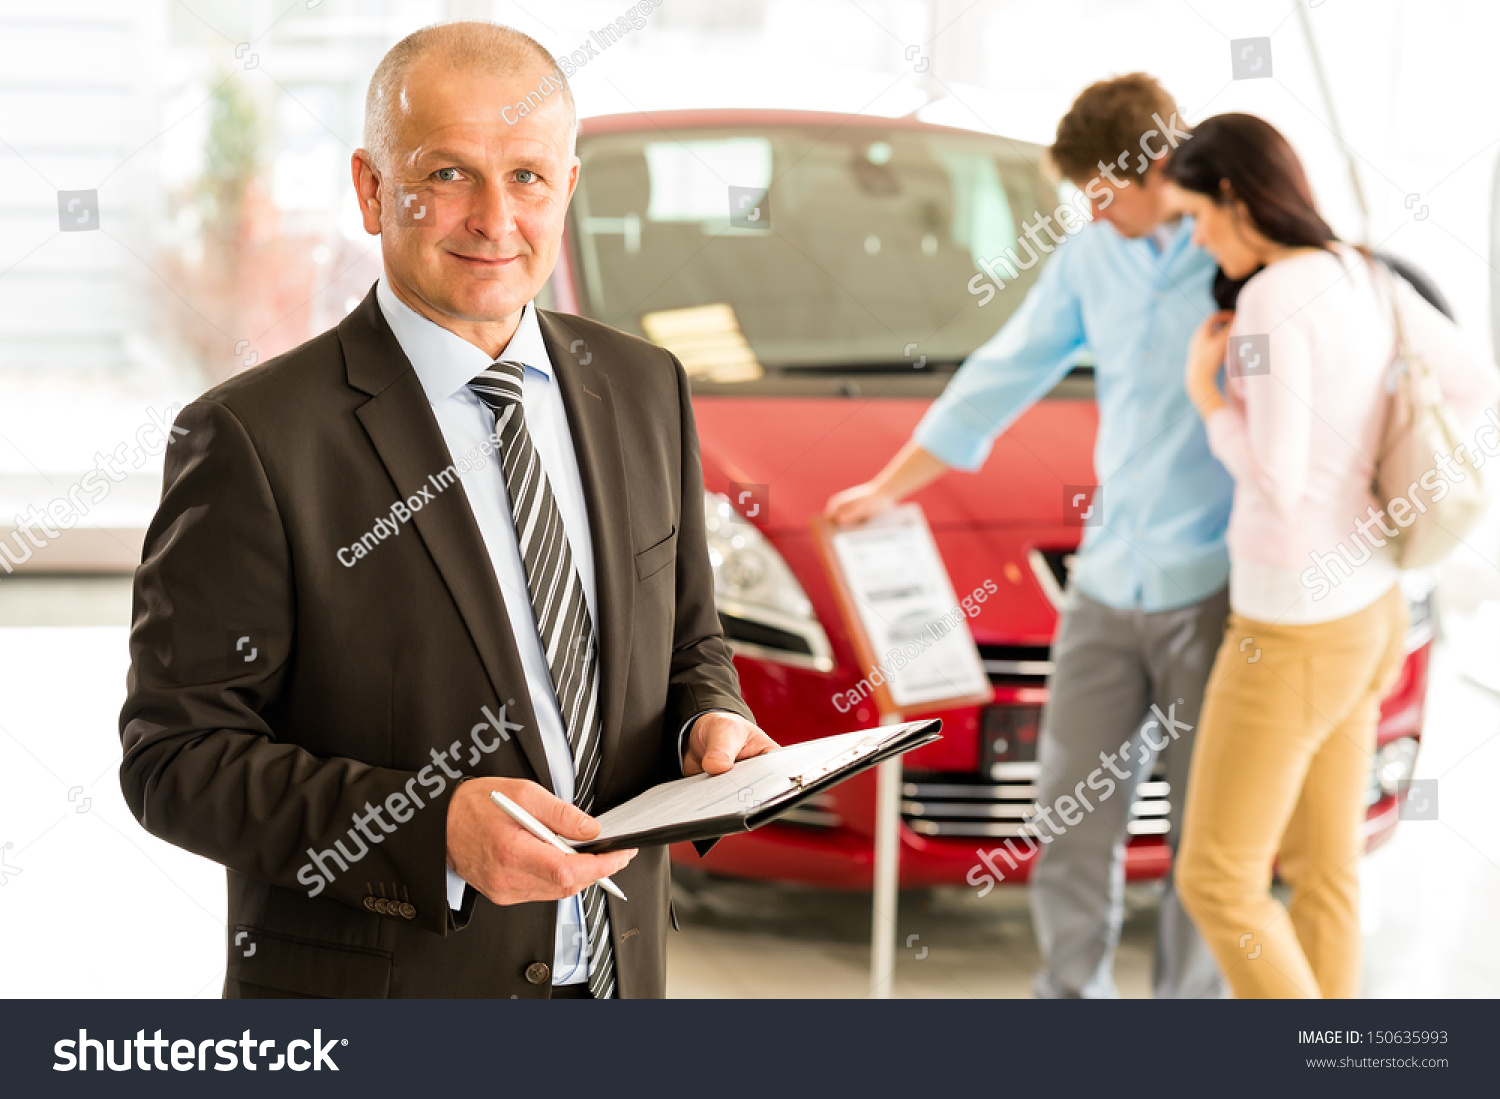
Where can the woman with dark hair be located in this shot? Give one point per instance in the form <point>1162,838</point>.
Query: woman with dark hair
<point>1288,723</point>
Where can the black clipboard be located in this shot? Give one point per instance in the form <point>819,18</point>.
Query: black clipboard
<point>900,739</point>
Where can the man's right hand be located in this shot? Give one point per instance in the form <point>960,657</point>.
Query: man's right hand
<point>508,864</point>
<point>911,470</point>
<point>859,504</point>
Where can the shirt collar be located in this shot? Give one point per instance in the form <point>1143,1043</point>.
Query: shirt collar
<point>1179,237</point>
<point>445,362</point>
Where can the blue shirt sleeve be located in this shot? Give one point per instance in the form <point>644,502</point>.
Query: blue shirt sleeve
<point>1028,356</point>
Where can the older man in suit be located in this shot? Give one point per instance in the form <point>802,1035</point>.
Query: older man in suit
<point>454,545</point>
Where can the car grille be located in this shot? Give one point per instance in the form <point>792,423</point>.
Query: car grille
<point>1017,664</point>
<point>999,798</point>
<point>959,805</point>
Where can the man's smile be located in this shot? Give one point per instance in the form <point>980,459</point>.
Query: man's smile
<point>484,262</point>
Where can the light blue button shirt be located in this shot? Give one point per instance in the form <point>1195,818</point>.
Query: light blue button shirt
<point>1134,304</point>
<point>445,364</point>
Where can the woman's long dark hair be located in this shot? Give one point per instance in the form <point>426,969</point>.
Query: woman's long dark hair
<point>1262,171</point>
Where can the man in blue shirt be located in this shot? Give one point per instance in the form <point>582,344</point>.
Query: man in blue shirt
<point>1147,596</point>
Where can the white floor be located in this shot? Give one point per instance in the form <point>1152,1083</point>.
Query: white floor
<point>91,904</point>
<point>105,910</point>
<point>1431,897</point>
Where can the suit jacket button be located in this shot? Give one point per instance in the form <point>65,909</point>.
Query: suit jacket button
<point>383,906</point>
<point>408,911</point>
<point>537,973</point>
<point>370,903</point>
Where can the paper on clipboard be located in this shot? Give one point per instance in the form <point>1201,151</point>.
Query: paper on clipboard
<point>753,791</point>
<point>917,628</point>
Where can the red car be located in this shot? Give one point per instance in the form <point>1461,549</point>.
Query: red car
<point>820,277</point>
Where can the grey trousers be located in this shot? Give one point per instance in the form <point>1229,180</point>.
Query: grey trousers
<point>1112,666</point>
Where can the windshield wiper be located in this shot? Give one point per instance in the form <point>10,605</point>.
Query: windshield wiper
<point>895,366</point>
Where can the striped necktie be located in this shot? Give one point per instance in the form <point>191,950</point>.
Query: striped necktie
<point>562,620</point>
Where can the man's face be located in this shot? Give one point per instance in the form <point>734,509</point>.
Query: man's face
<point>1134,206</point>
<point>470,205</point>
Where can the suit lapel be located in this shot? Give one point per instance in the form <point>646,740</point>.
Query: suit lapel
<point>410,444</point>
<point>589,401</point>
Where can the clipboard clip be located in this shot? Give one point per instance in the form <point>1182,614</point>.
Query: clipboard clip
<point>843,759</point>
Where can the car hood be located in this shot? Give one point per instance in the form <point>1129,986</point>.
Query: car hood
<point>805,449</point>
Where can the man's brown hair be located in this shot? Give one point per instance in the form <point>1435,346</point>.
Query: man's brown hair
<point>1107,119</point>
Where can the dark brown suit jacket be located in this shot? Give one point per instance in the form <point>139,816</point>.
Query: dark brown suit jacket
<point>254,752</point>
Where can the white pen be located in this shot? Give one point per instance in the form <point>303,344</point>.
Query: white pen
<point>546,835</point>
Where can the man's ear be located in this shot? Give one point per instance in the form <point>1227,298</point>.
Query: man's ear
<point>573,170</point>
<point>367,190</point>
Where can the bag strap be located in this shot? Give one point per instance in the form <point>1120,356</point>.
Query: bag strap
<point>1403,344</point>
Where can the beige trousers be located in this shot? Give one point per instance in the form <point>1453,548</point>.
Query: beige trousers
<point>1280,771</point>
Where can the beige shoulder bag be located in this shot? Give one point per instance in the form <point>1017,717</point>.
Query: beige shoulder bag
<point>1434,504</point>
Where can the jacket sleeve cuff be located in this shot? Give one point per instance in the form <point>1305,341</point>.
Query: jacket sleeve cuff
<point>687,728</point>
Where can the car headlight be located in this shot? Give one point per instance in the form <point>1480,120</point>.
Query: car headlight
<point>763,609</point>
<point>1394,764</point>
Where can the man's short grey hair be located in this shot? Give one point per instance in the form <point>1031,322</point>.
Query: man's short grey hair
<point>461,46</point>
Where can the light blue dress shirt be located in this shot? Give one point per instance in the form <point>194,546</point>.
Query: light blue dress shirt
<point>445,364</point>
<point>1134,304</point>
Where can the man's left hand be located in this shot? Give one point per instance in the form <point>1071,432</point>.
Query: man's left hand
<point>718,739</point>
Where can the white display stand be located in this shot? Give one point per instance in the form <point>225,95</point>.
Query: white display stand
<point>914,647</point>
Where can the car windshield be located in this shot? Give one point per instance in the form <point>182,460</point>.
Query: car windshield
<point>785,250</point>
